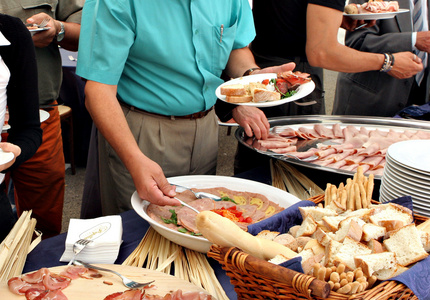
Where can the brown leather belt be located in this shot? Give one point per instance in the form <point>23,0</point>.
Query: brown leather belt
<point>193,116</point>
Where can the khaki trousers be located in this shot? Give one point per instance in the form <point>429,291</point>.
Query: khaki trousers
<point>180,147</point>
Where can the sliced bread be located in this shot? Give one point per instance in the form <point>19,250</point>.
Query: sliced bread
<point>372,231</point>
<point>406,244</point>
<point>391,212</point>
<point>287,240</point>
<point>316,212</point>
<point>307,228</point>
<point>348,250</point>
<point>374,262</point>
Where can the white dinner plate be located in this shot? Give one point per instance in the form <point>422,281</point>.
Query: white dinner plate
<point>302,91</point>
<point>404,173</point>
<point>376,16</point>
<point>413,183</point>
<point>44,115</point>
<point>412,154</point>
<point>5,157</point>
<point>199,243</point>
<point>396,185</point>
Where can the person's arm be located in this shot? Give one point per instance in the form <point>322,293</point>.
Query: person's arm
<point>106,112</point>
<point>323,49</point>
<point>44,38</point>
<point>252,119</point>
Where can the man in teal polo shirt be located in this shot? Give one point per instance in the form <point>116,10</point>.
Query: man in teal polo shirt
<point>152,69</point>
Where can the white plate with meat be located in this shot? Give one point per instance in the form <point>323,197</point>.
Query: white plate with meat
<point>199,243</point>
<point>302,91</point>
<point>376,16</point>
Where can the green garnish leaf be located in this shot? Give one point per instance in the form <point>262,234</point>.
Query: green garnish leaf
<point>225,198</point>
<point>173,218</point>
<point>182,230</point>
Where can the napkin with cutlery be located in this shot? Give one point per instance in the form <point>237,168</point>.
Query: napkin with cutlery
<point>105,234</point>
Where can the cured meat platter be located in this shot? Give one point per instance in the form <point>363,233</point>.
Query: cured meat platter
<point>99,288</point>
<point>199,243</point>
<point>375,124</point>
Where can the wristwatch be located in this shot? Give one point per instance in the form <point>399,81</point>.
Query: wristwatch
<point>60,35</point>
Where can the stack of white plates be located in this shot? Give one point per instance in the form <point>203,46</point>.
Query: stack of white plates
<point>407,173</point>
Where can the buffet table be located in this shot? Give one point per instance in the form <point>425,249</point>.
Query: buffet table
<point>48,252</point>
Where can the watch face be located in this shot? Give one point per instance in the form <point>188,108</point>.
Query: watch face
<point>60,37</point>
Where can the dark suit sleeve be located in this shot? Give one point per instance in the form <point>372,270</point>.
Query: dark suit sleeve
<point>22,91</point>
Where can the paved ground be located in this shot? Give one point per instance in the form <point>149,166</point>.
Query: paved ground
<point>227,146</point>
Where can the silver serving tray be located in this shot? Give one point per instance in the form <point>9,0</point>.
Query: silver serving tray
<point>358,121</point>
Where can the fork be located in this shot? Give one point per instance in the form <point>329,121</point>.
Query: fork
<point>199,195</point>
<point>78,246</point>
<point>126,281</point>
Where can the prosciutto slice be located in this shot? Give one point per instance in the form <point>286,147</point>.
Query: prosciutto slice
<point>35,294</point>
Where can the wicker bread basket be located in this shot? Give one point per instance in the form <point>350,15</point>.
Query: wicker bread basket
<point>254,278</point>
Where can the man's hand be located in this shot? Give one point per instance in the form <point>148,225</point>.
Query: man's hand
<point>253,121</point>
<point>152,185</point>
<point>406,65</point>
<point>42,39</point>
<point>276,69</point>
<point>8,147</point>
<point>423,41</point>
<point>351,24</point>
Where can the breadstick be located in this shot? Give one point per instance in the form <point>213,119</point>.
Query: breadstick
<point>360,174</point>
<point>357,196</point>
<point>340,189</point>
<point>327,194</point>
<point>343,198</point>
<point>340,269</point>
<point>344,282</point>
<point>334,276</point>
<point>333,193</point>
<point>336,286</point>
<point>363,196</point>
<point>370,186</point>
<point>358,273</point>
<point>321,273</point>
<point>354,287</point>
<point>350,276</point>
<point>328,272</point>
<point>345,289</point>
<point>331,283</point>
<point>350,205</point>
<point>371,281</point>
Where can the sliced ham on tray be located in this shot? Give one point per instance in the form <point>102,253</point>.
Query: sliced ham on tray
<point>348,146</point>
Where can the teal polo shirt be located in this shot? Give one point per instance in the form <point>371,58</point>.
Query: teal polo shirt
<point>165,56</point>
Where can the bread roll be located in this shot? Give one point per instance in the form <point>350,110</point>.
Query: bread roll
<point>226,233</point>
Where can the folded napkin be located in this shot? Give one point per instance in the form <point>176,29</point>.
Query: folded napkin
<point>417,278</point>
<point>106,236</point>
